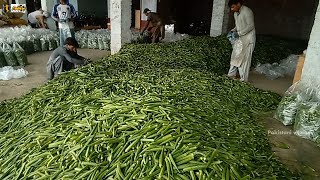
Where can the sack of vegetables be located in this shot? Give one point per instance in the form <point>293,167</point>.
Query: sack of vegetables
<point>307,122</point>
<point>2,59</point>
<point>287,108</point>
<point>9,55</point>
<point>295,95</point>
<point>36,43</point>
<point>20,54</point>
<point>44,44</point>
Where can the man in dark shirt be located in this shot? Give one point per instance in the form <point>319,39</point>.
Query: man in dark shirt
<point>64,58</point>
<point>157,25</point>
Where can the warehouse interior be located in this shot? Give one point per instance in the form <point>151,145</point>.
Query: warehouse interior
<point>284,29</point>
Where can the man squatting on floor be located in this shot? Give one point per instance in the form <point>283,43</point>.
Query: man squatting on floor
<point>64,58</point>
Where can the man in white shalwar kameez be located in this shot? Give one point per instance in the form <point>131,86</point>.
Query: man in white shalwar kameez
<point>244,45</point>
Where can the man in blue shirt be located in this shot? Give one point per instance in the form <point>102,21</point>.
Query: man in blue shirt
<point>64,13</point>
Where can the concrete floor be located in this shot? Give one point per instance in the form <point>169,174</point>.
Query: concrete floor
<point>299,155</point>
<point>279,86</point>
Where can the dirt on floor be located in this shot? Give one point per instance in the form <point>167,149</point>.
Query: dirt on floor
<point>279,85</point>
<point>300,155</point>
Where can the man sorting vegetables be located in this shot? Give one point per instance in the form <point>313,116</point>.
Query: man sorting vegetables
<point>245,43</point>
<point>38,18</point>
<point>157,25</point>
<point>64,58</point>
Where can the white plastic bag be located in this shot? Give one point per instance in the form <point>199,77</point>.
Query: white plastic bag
<point>273,71</point>
<point>297,94</point>
<point>287,108</point>
<point>8,73</point>
<point>307,122</point>
<point>27,37</point>
<point>289,65</point>
<point>231,37</point>
<point>237,46</point>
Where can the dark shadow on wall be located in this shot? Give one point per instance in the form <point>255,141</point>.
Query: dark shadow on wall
<point>189,17</point>
<point>33,5</point>
<point>282,18</point>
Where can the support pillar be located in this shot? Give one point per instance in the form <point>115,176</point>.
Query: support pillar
<point>121,22</point>
<point>220,18</point>
<point>310,73</point>
<point>47,5</point>
<point>75,4</point>
<point>150,4</point>
<point>109,15</point>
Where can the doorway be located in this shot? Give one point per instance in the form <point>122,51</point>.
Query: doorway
<point>193,18</point>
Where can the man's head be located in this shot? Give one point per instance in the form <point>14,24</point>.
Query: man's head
<point>63,1</point>
<point>235,5</point>
<point>146,11</point>
<point>45,14</point>
<point>71,44</point>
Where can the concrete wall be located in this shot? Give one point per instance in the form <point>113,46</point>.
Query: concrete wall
<point>47,5</point>
<point>120,21</point>
<point>310,72</point>
<point>99,7</point>
<point>75,4</point>
<point>220,18</point>
<point>292,19</point>
<point>109,8</point>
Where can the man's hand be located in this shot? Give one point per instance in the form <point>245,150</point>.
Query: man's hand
<point>236,34</point>
<point>62,20</point>
<point>229,34</point>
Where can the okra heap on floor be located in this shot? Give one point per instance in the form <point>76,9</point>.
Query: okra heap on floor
<point>152,111</point>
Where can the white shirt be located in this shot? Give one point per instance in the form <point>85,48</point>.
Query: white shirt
<point>32,17</point>
<point>64,13</point>
<point>244,21</point>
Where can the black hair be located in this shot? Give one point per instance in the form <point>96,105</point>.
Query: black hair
<point>71,42</point>
<point>146,10</point>
<point>232,2</point>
